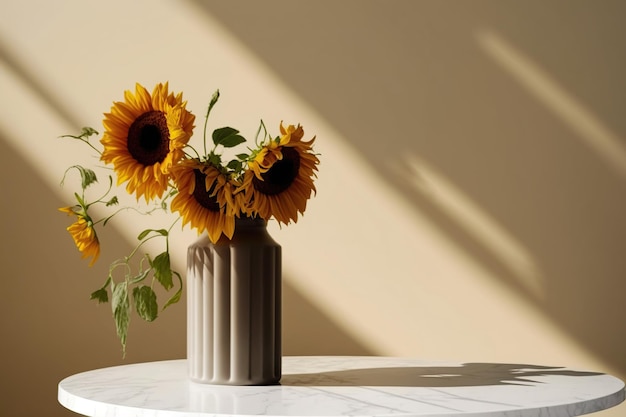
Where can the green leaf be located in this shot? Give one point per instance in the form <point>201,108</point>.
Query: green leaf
<point>176,297</point>
<point>121,311</point>
<point>101,295</point>
<point>214,159</point>
<point>222,133</point>
<point>235,165</point>
<point>87,176</point>
<point>227,137</point>
<point>162,270</point>
<point>112,202</point>
<point>145,302</point>
<point>232,141</point>
<point>81,202</point>
<point>242,156</point>
<point>145,233</point>
<point>87,131</point>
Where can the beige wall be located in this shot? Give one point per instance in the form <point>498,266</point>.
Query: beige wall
<point>471,194</point>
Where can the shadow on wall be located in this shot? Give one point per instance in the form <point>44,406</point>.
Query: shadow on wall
<point>26,73</point>
<point>308,331</point>
<point>52,330</point>
<point>412,78</point>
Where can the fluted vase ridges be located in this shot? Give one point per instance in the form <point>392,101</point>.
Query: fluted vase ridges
<point>234,308</point>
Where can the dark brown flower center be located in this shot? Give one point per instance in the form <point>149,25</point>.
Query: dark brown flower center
<point>149,138</point>
<point>280,175</point>
<point>202,196</point>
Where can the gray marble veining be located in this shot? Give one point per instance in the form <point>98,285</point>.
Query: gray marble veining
<point>347,386</point>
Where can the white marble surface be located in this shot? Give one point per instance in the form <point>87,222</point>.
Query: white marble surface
<point>346,386</point>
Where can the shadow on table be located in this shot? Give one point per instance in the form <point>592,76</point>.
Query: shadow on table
<point>469,374</point>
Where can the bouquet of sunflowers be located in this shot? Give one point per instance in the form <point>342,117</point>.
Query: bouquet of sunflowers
<point>146,140</point>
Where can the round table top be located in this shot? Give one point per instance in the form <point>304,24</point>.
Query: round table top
<point>347,386</point>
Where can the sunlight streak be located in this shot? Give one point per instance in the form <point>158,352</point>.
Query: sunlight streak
<point>591,130</point>
<point>476,222</point>
<point>370,260</point>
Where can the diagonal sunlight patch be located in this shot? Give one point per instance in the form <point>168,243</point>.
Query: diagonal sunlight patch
<point>380,270</point>
<point>591,130</point>
<point>475,222</point>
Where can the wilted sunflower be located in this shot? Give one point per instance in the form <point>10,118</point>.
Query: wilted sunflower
<point>279,180</point>
<point>205,198</point>
<point>144,137</point>
<point>84,235</point>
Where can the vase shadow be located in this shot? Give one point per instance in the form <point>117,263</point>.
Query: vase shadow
<point>466,375</point>
<point>305,326</point>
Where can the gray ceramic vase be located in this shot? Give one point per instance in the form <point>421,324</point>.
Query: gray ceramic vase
<point>234,307</point>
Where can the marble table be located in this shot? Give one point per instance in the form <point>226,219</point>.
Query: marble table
<point>347,386</point>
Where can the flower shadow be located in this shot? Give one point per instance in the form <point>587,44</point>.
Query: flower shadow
<point>466,375</point>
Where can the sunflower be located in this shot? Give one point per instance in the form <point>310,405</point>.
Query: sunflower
<point>206,198</point>
<point>144,137</point>
<point>84,235</point>
<point>279,179</point>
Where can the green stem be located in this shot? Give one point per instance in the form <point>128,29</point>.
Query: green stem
<point>101,199</point>
<point>85,141</point>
